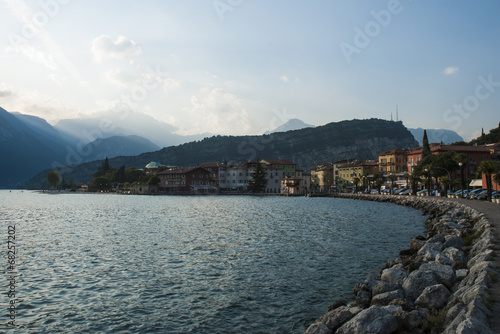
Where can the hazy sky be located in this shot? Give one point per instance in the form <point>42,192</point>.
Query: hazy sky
<point>246,66</point>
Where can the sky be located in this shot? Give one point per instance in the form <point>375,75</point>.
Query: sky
<point>237,67</point>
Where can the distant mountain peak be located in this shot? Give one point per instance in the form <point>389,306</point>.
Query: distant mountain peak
<point>290,125</point>
<point>436,135</point>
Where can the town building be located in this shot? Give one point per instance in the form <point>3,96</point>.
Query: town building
<point>393,161</point>
<point>299,184</point>
<point>287,167</point>
<point>356,173</point>
<point>322,177</point>
<point>474,154</point>
<point>186,180</point>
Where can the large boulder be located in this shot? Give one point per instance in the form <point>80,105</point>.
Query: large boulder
<point>373,320</point>
<point>446,274</point>
<point>385,298</point>
<point>433,297</point>
<point>395,275</point>
<point>429,251</point>
<point>455,254</point>
<point>336,318</point>
<point>417,281</point>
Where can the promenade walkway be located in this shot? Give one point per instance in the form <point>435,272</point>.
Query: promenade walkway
<point>492,213</point>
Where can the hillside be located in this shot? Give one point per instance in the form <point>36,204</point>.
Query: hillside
<point>24,151</point>
<point>116,146</point>
<point>436,135</point>
<point>355,139</point>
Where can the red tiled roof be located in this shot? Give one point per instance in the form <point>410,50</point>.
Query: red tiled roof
<point>394,151</point>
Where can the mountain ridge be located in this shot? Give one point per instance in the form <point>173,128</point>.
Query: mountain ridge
<point>353,139</point>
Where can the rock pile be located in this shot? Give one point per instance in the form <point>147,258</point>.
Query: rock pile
<point>438,285</point>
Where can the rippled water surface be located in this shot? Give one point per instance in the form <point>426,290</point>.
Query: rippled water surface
<point>216,264</point>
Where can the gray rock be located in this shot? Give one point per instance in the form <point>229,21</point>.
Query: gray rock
<point>372,320</point>
<point>318,328</point>
<point>487,255</point>
<point>429,251</point>
<point>417,281</point>
<point>446,274</point>
<point>454,241</point>
<point>385,298</point>
<point>363,299</point>
<point>385,287</point>
<point>438,238</point>
<point>433,297</point>
<point>393,275</point>
<point>461,274</point>
<point>336,318</point>
<point>473,326</point>
<point>455,254</point>
<point>453,312</point>
<point>443,259</point>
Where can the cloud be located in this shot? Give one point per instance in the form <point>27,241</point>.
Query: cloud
<point>284,78</point>
<point>34,54</point>
<point>119,77</point>
<point>170,83</point>
<point>450,70</point>
<point>103,47</point>
<point>217,111</point>
<point>5,92</point>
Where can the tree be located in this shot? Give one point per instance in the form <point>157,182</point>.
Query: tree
<point>101,183</point>
<point>101,171</point>
<point>53,178</point>
<point>488,168</point>
<point>426,149</point>
<point>392,178</point>
<point>258,182</point>
<point>154,180</point>
<point>356,182</point>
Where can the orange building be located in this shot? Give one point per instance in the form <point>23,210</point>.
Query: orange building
<point>393,161</point>
<point>475,154</point>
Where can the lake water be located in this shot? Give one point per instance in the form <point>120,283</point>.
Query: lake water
<point>100,263</point>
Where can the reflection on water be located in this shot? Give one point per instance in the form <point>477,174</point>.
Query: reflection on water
<point>111,263</point>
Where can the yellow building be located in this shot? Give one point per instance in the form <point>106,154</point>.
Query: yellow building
<point>393,161</point>
<point>322,177</point>
<point>356,170</point>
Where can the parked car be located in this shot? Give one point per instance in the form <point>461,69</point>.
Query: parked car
<point>471,193</point>
<point>422,192</point>
<point>406,192</point>
<point>484,195</point>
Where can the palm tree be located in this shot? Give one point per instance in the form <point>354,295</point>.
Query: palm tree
<point>356,182</point>
<point>392,178</point>
<point>488,168</point>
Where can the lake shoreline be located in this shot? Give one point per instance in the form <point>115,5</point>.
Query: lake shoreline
<point>440,284</point>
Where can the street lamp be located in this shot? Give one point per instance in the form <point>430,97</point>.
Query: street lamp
<point>428,171</point>
<point>461,179</point>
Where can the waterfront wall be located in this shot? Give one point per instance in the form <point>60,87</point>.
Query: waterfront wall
<point>438,285</point>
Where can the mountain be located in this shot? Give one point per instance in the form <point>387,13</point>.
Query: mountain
<point>293,124</point>
<point>25,148</point>
<point>109,124</point>
<point>118,145</point>
<point>28,145</point>
<point>436,135</point>
<point>355,139</point>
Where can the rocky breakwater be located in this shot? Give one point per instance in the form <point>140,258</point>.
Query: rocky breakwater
<point>438,285</point>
